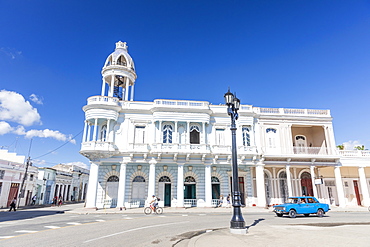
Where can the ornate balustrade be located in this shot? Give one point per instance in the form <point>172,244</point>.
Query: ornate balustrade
<point>354,153</point>
<point>106,100</point>
<point>288,111</point>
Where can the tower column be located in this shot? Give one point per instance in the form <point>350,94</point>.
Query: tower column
<point>84,135</point>
<point>132,92</point>
<point>127,85</point>
<point>103,88</point>
<point>88,138</point>
<point>111,87</point>
<point>95,129</point>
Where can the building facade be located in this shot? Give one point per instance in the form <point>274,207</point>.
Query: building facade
<point>180,150</point>
<point>12,170</point>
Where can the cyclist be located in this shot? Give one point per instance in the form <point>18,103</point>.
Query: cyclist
<point>154,203</point>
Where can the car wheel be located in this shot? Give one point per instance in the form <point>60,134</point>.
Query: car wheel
<point>292,213</point>
<point>279,215</point>
<point>306,215</point>
<point>320,212</point>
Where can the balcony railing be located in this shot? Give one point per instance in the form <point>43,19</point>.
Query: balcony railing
<point>106,100</point>
<point>354,153</point>
<point>97,146</point>
<point>175,147</point>
<point>190,202</point>
<point>300,151</point>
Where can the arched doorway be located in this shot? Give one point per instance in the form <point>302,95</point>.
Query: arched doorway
<point>190,189</point>
<point>306,184</point>
<point>283,186</point>
<point>111,191</point>
<point>138,189</point>
<point>215,187</point>
<point>164,190</point>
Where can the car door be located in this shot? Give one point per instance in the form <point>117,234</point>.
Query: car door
<point>303,206</point>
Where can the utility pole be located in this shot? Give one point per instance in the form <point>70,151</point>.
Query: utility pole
<point>28,163</point>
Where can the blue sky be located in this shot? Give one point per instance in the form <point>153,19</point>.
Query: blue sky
<point>296,54</point>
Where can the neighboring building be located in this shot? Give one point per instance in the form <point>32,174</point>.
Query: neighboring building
<point>68,182</point>
<point>180,150</point>
<point>12,169</point>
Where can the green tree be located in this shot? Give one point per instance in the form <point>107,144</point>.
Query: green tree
<point>360,147</point>
<point>340,147</point>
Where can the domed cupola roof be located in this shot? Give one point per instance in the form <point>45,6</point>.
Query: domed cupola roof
<point>120,57</point>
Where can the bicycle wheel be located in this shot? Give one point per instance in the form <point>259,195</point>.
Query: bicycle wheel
<point>147,210</point>
<point>159,211</point>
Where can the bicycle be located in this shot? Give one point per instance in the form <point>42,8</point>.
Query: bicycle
<point>157,210</point>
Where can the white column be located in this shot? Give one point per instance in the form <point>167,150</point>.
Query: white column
<point>93,185</point>
<point>176,133</point>
<point>84,135</point>
<point>88,137</point>
<point>274,184</point>
<point>364,188</point>
<point>187,141</point>
<point>95,129</point>
<point>132,92</point>
<point>122,185</point>
<point>103,88</point>
<point>108,139</point>
<point>126,93</point>
<point>288,180</point>
<point>312,170</point>
<point>159,138</point>
<point>180,185</point>
<point>339,186</point>
<point>204,132</point>
<point>111,87</point>
<point>151,184</point>
<point>208,185</point>
<point>260,184</point>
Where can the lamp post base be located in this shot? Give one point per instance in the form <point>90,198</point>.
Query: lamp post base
<point>238,231</point>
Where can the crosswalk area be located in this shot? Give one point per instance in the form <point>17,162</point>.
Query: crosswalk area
<point>36,227</point>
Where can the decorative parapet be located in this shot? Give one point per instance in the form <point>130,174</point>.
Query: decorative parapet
<point>288,111</point>
<point>180,103</point>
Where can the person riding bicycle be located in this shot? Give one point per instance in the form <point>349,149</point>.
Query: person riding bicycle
<point>154,202</point>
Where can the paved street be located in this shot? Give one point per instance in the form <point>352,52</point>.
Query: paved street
<point>72,225</point>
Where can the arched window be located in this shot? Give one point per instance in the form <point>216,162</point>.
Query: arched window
<point>215,179</point>
<point>189,179</point>
<point>113,179</point>
<point>121,61</point>
<point>138,179</point>
<point>194,134</point>
<point>246,136</point>
<point>103,133</point>
<point>165,179</point>
<point>167,133</point>
<point>283,186</point>
<point>300,144</point>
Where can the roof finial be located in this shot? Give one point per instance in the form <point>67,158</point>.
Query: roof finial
<point>121,44</point>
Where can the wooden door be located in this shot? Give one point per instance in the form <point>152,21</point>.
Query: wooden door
<point>13,192</point>
<point>357,192</point>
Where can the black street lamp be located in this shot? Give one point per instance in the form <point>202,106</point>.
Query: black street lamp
<point>237,223</point>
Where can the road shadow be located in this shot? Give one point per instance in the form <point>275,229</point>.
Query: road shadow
<point>26,214</point>
<point>255,223</point>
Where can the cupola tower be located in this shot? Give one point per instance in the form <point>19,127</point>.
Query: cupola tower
<point>119,74</point>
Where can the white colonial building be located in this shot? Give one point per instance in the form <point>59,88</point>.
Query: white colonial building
<point>180,150</point>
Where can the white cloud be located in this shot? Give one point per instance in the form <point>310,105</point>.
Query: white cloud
<point>13,107</point>
<point>80,164</point>
<point>36,99</point>
<point>4,128</point>
<point>46,133</point>
<point>10,52</point>
<point>350,145</point>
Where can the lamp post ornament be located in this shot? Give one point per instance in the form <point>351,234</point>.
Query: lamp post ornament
<point>237,223</point>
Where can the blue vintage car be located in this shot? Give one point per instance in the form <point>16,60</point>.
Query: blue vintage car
<point>305,205</point>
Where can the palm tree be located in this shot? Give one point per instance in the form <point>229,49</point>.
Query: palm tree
<point>360,147</point>
<point>340,147</point>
